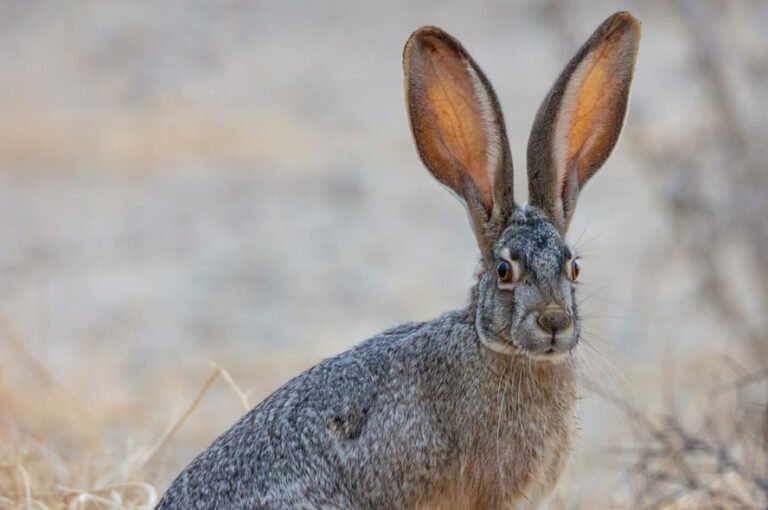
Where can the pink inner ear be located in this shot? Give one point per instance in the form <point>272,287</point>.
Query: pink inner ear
<point>579,122</point>
<point>597,96</point>
<point>458,129</point>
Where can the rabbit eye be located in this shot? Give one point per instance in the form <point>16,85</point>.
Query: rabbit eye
<point>508,271</point>
<point>573,269</point>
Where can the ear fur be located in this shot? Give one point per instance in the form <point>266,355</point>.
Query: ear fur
<point>580,120</point>
<point>458,128</point>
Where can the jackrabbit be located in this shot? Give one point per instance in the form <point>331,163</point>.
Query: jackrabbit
<point>474,409</point>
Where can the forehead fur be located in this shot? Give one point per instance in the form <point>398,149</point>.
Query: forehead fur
<point>532,239</point>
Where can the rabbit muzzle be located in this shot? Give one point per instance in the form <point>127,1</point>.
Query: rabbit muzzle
<point>547,334</point>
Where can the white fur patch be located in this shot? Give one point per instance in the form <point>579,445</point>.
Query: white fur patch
<point>563,125</point>
<point>491,124</point>
<point>498,347</point>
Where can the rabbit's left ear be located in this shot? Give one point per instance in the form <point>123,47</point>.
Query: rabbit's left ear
<point>581,118</point>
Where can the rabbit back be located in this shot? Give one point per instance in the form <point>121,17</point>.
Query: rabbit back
<point>302,447</point>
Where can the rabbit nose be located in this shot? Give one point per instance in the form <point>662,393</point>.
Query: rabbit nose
<point>553,319</point>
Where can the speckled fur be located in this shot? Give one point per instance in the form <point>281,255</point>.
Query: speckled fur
<point>418,417</point>
<point>467,411</point>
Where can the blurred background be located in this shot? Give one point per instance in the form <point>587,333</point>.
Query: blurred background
<point>192,182</point>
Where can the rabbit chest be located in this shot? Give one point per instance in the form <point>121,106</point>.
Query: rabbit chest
<point>516,437</point>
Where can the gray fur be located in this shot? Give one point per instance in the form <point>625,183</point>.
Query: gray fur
<point>472,410</point>
<point>388,425</point>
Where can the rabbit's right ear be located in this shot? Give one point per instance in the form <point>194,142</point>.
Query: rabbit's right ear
<point>459,129</point>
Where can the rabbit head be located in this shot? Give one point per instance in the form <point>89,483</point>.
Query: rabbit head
<point>524,298</point>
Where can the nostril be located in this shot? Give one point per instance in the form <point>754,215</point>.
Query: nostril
<point>553,321</point>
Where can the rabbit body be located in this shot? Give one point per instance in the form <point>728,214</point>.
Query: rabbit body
<point>475,409</point>
<point>422,416</point>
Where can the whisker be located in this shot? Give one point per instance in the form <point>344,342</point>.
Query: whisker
<point>589,336</point>
<point>601,316</point>
<point>595,381</point>
<point>501,396</point>
<point>583,231</point>
<point>579,247</point>
<point>593,295</point>
<point>603,361</point>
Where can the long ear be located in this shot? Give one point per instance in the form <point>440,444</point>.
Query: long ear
<point>581,118</point>
<point>459,129</point>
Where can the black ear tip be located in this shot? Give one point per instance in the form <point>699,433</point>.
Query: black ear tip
<point>428,30</point>
<point>417,39</point>
<point>623,17</point>
<point>426,35</point>
<point>623,21</point>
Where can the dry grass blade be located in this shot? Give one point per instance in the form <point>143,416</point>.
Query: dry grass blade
<point>48,487</point>
<point>232,384</point>
<point>134,495</point>
<point>168,434</point>
<point>717,464</point>
<point>25,491</point>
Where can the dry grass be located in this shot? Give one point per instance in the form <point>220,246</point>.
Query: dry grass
<point>52,455</point>
<point>51,458</point>
<point>715,460</point>
<point>98,448</point>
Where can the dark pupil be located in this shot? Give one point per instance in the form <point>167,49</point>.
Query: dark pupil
<point>503,269</point>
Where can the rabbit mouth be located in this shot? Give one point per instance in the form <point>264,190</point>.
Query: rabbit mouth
<point>551,354</point>
<point>540,346</point>
<point>553,357</point>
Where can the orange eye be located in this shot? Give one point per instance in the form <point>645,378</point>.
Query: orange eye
<point>574,269</point>
<point>508,271</point>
